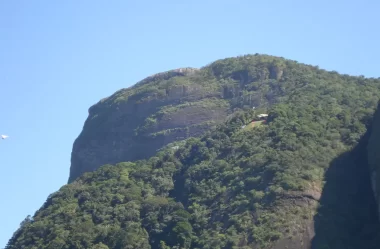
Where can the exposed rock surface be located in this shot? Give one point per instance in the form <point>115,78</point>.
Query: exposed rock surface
<point>137,126</point>
<point>135,122</point>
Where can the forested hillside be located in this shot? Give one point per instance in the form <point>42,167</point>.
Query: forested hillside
<point>135,122</point>
<point>299,180</point>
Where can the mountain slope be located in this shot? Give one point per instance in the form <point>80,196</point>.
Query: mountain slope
<point>300,174</point>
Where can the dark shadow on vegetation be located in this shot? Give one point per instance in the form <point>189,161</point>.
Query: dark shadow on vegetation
<point>347,216</point>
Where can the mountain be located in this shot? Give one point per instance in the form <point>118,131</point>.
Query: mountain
<point>175,162</point>
<point>134,123</point>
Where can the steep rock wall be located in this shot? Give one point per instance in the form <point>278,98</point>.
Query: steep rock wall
<point>133,124</point>
<point>374,156</point>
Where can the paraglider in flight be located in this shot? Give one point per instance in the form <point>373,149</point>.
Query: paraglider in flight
<point>4,136</point>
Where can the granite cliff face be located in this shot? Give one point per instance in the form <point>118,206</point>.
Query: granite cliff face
<point>134,123</point>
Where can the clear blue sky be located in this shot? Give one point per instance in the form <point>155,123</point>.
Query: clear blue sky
<point>57,58</point>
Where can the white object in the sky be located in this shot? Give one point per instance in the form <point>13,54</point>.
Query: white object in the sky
<point>4,136</point>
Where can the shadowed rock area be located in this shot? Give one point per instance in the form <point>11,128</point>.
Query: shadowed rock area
<point>347,215</point>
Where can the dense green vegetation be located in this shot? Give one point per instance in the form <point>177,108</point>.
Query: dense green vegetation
<point>233,187</point>
<point>143,118</point>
